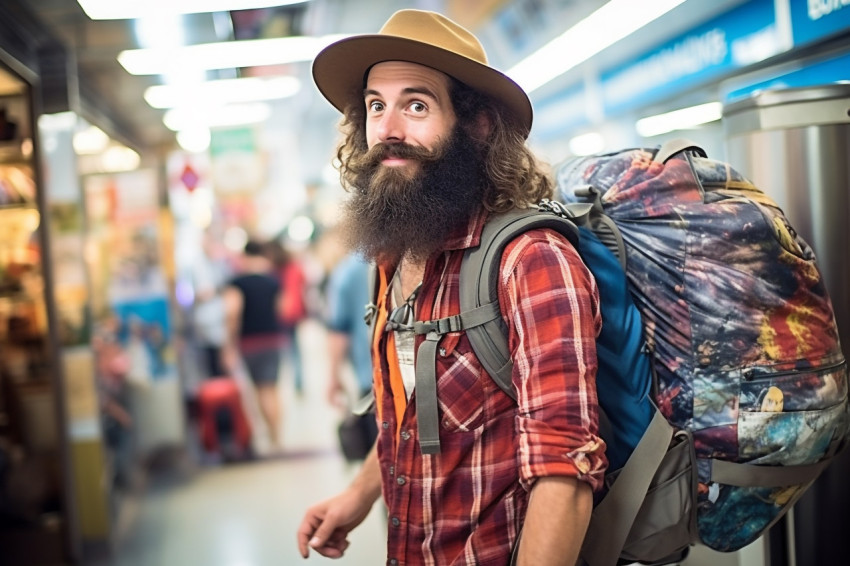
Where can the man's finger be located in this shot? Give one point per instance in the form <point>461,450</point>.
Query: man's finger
<point>305,533</point>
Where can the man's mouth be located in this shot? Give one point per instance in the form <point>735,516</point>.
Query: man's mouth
<point>392,161</point>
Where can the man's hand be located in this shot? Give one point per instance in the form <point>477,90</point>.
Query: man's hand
<point>326,525</point>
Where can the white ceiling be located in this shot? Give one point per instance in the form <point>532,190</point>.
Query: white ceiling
<point>113,97</point>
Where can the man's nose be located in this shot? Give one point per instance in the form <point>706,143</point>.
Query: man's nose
<point>391,127</point>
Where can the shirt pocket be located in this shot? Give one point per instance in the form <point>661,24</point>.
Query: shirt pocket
<point>461,392</point>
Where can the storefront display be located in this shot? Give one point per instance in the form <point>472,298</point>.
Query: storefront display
<point>33,510</point>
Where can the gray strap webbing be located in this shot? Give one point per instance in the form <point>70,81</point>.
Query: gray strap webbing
<point>751,475</point>
<point>479,277</point>
<point>614,515</point>
<point>480,318</point>
<point>674,146</point>
<point>427,414</point>
<point>426,395</point>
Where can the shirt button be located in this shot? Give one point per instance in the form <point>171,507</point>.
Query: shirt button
<point>401,481</point>
<point>396,522</point>
<point>443,352</point>
<point>385,424</point>
<point>393,562</point>
<point>405,435</point>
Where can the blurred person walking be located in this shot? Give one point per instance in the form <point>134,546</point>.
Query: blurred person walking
<point>252,302</point>
<point>293,306</point>
<point>348,343</point>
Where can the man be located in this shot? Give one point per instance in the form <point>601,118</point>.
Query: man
<point>436,142</point>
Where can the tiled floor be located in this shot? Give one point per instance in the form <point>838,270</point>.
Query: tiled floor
<point>246,514</point>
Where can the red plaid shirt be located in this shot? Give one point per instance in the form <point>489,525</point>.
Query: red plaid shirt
<point>466,505</point>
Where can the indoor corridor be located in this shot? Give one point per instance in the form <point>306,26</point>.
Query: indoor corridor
<point>194,512</point>
<point>200,513</point>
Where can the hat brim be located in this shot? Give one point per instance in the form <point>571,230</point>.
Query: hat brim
<point>340,69</point>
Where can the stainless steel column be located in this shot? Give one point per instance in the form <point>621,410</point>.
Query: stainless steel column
<point>795,145</point>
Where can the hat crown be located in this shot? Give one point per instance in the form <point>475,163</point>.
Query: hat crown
<point>437,30</point>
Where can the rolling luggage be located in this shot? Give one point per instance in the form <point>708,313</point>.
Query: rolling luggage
<point>224,426</point>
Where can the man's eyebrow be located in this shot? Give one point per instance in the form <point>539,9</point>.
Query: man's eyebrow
<point>409,90</point>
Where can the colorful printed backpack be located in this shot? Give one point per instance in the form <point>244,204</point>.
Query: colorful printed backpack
<point>745,350</point>
<point>722,384</point>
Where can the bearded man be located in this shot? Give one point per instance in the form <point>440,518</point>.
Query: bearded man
<point>435,143</point>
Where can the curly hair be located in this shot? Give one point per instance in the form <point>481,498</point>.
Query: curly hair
<point>515,177</point>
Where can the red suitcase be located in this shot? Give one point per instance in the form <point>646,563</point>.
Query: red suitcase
<point>222,419</point>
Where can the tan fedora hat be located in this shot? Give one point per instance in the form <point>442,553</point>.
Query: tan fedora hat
<point>416,36</point>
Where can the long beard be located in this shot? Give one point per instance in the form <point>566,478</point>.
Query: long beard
<point>396,212</point>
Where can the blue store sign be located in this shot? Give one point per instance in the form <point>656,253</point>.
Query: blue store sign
<point>817,19</point>
<point>743,36</point>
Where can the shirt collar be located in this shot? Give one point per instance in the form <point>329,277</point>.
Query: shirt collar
<point>469,235</point>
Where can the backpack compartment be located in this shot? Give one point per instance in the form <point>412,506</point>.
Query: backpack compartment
<point>664,526</point>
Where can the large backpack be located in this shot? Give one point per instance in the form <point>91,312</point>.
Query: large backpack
<point>721,381</point>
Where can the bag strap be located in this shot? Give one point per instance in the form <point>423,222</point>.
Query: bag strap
<point>480,314</point>
<point>754,475</point>
<point>614,516</point>
<point>677,145</point>
<point>479,279</point>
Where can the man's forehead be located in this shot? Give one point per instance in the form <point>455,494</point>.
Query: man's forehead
<point>405,71</point>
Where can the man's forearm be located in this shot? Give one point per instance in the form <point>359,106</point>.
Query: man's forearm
<point>555,524</point>
<point>368,480</point>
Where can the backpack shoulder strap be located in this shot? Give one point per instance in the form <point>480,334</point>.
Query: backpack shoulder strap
<point>480,315</point>
<point>479,280</point>
<point>371,307</point>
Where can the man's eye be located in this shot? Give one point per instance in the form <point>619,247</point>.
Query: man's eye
<point>375,106</point>
<point>418,107</point>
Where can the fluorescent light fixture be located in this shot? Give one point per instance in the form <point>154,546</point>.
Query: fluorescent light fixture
<point>89,141</point>
<point>130,9</point>
<point>679,119</point>
<point>604,27</point>
<point>120,158</point>
<point>160,31</point>
<point>194,140</point>
<point>225,55</point>
<point>587,144</point>
<point>185,118</point>
<point>219,93</point>
<point>59,122</point>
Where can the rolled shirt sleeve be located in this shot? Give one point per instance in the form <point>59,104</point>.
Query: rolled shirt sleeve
<point>551,304</point>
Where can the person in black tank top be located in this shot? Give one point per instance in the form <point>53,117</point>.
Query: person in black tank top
<point>254,334</point>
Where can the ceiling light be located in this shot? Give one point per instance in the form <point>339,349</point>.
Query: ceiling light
<point>194,140</point>
<point>225,55</point>
<point>185,117</point>
<point>120,158</point>
<point>219,93</point>
<point>90,141</point>
<point>679,119</point>
<point>129,9</point>
<point>603,28</point>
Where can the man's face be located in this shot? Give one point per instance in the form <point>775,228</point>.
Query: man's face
<point>407,103</point>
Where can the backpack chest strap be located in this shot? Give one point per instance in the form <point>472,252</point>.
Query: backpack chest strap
<point>427,413</point>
